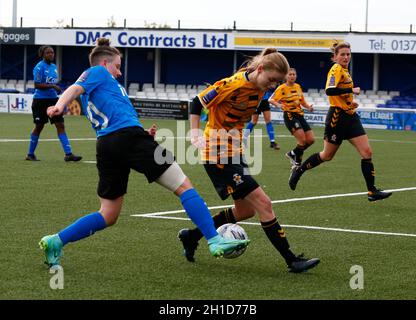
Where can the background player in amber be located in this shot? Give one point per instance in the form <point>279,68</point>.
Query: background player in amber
<point>289,97</point>
<point>231,102</point>
<point>342,123</point>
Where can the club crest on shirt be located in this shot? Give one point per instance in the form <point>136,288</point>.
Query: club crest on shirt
<point>332,81</point>
<point>83,76</point>
<point>237,179</point>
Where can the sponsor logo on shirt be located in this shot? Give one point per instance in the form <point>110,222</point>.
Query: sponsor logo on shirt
<point>207,98</point>
<point>51,80</point>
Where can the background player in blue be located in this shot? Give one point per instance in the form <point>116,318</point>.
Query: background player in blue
<point>264,107</point>
<point>45,77</point>
<point>123,144</point>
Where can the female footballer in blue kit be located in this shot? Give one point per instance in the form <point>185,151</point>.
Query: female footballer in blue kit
<point>45,77</point>
<point>123,144</point>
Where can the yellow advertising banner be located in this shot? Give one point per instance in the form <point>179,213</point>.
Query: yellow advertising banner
<point>284,42</point>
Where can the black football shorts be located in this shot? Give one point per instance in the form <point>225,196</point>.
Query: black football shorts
<point>125,149</point>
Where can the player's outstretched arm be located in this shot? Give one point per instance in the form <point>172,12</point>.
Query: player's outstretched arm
<point>308,106</point>
<point>152,130</point>
<point>196,137</point>
<point>69,94</point>
<point>275,103</point>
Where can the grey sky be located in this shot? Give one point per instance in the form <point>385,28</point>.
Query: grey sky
<point>384,15</point>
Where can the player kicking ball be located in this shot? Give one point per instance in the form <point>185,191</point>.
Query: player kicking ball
<point>122,145</point>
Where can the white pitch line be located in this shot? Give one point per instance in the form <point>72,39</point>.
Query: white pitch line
<point>47,140</point>
<point>276,201</point>
<point>300,227</point>
<point>93,139</point>
<point>394,141</point>
<point>187,138</point>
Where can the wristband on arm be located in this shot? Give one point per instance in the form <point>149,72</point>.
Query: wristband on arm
<point>196,106</point>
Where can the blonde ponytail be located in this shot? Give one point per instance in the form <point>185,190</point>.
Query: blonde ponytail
<point>271,59</point>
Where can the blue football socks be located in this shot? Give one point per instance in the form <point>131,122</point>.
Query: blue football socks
<point>65,143</point>
<point>82,228</point>
<point>246,132</point>
<point>270,131</point>
<point>250,127</point>
<point>198,212</point>
<point>33,143</point>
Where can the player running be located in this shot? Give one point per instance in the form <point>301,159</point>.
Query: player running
<point>342,123</point>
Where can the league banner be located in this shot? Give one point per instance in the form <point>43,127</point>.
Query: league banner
<point>387,120</point>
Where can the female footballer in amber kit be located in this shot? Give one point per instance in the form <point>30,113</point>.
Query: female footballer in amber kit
<point>231,103</point>
<point>342,123</point>
<point>289,97</point>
